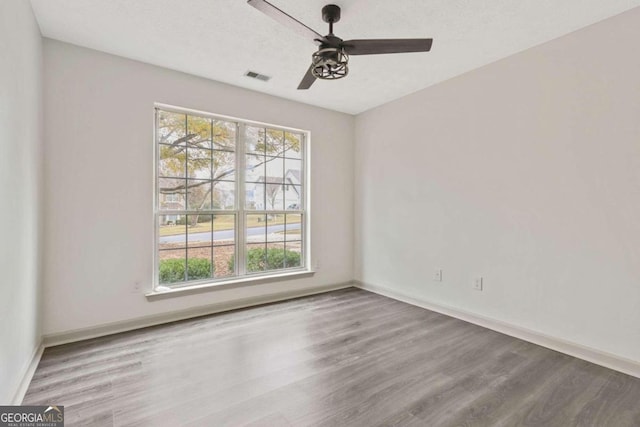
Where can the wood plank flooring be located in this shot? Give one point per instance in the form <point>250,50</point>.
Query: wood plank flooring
<point>343,358</point>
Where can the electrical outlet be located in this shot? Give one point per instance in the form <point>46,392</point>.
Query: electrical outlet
<point>477,283</point>
<point>437,275</point>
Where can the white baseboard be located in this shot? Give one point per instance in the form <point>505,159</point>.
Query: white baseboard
<point>18,397</point>
<point>66,337</point>
<point>612,361</point>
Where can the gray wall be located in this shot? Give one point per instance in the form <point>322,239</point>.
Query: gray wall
<point>525,172</point>
<point>20,190</point>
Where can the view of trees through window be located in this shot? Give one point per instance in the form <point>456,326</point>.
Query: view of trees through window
<point>227,191</point>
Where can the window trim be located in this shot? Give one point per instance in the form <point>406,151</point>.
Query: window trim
<point>241,276</point>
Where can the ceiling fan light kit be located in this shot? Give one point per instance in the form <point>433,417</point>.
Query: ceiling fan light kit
<point>330,61</point>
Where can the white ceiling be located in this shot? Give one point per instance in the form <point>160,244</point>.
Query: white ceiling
<point>222,39</point>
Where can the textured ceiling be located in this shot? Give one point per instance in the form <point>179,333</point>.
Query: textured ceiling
<point>222,39</point>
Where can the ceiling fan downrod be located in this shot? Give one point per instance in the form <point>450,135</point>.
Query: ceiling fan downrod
<point>331,15</point>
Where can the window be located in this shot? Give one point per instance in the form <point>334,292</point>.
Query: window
<point>230,198</point>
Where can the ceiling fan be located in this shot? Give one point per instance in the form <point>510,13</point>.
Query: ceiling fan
<point>330,61</point>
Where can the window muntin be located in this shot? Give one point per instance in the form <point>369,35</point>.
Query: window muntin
<point>227,191</point>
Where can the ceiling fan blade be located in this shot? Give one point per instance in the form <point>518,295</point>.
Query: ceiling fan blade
<point>286,20</point>
<point>307,80</point>
<point>378,46</point>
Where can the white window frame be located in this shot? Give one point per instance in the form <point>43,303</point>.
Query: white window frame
<point>241,275</point>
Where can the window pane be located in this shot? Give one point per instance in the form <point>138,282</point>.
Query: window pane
<point>274,195</point>
<point>293,254</point>
<point>273,181</point>
<point>274,167</point>
<point>224,230</point>
<point>199,163</point>
<point>172,231</point>
<point>293,171</point>
<point>224,260</point>
<point>171,128</point>
<point>224,135</point>
<point>256,228</point>
<point>198,132</point>
<point>293,244</point>
<point>224,167</point>
<point>293,184</point>
<point>224,195</point>
<point>256,257</point>
<point>198,194</point>
<point>199,265</point>
<point>224,245</point>
<point>274,142</point>
<point>293,197</point>
<point>275,227</point>
<point>172,266</point>
<point>254,137</point>
<point>293,145</point>
<point>293,229</point>
<point>254,168</point>
<point>275,256</point>
<point>254,197</point>
<point>171,194</point>
<point>199,230</point>
<point>172,160</point>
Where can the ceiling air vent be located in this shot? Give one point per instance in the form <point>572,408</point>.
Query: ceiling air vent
<point>258,76</point>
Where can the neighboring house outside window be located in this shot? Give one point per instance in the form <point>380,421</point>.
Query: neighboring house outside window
<point>170,202</point>
<point>230,198</point>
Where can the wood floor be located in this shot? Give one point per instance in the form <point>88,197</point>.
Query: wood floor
<point>344,358</point>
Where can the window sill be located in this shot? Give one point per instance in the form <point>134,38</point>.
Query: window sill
<point>165,292</point>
